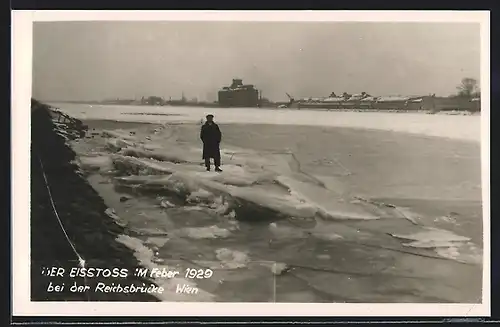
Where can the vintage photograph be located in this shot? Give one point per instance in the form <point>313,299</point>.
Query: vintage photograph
<point>256,161</point>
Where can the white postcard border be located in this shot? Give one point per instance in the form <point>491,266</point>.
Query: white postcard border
<point>22,34</point>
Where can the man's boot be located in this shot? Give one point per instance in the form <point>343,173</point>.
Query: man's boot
<point>217,169</point>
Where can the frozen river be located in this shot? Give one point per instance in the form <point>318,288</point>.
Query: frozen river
<point>450,126</point>
<point>312,206</point>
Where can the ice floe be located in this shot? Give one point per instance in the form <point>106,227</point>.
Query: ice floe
<point>431,238</point>
<point>204,232</point>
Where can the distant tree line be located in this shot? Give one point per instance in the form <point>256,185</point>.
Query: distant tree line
<point>468,88</point>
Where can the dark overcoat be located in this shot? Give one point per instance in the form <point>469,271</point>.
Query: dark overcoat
<point>211,137</point>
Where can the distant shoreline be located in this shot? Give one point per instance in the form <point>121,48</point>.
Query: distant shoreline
<point>429,112</point>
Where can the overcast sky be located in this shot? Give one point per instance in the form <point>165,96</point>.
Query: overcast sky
<point>98,60</point>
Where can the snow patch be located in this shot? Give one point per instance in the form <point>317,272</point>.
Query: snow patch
<point>101,163</point>
<point>284,232</point>
<point>232,259</point>
<point>118,134</point>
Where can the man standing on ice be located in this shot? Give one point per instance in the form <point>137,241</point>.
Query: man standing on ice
<point>211,136</point>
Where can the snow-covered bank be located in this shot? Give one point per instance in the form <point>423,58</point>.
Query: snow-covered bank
<point>68,220</point>
<point>450,126</point>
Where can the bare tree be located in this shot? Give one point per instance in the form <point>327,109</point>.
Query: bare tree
<point>468,88</point>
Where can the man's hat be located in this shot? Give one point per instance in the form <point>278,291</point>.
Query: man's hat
<point>210,116</point>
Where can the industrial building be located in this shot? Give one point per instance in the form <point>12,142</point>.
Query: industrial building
<point>239,95</point>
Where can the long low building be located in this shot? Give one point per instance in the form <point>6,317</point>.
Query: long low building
<point>427,103</point>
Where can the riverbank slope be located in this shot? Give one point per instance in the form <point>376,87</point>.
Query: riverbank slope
<point>80,228</point>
